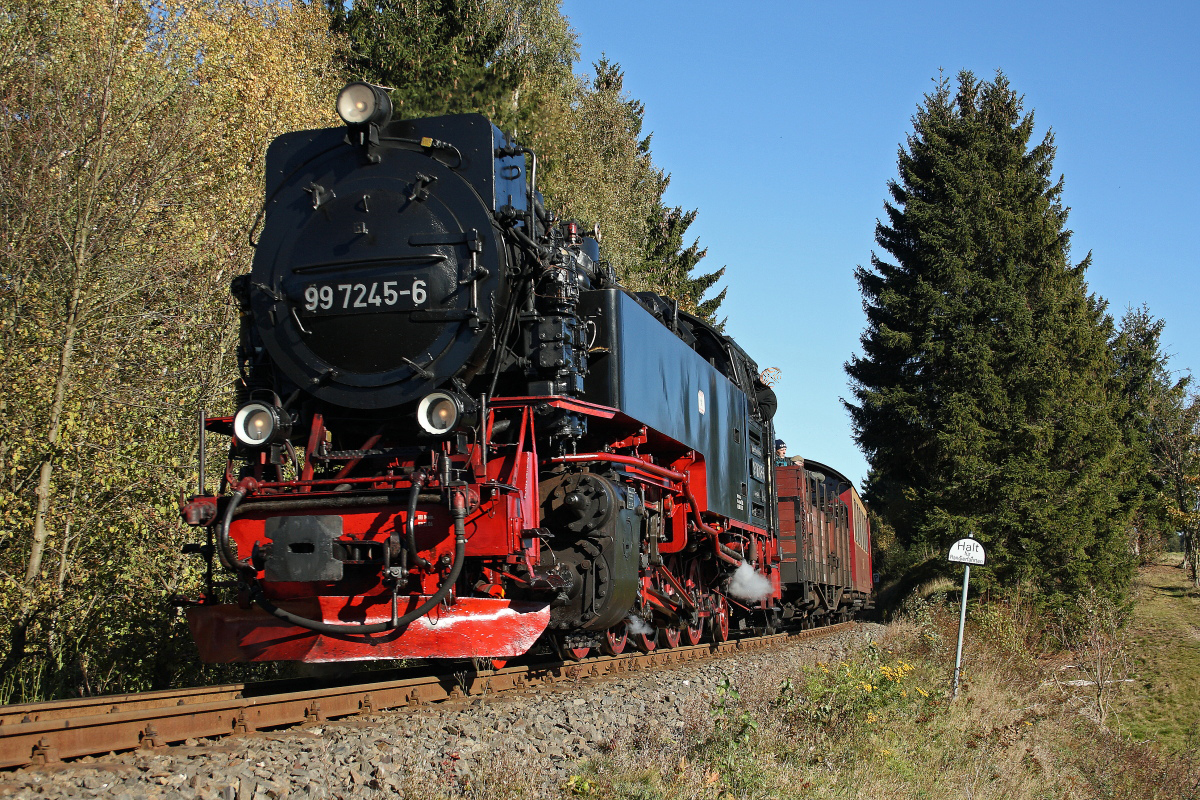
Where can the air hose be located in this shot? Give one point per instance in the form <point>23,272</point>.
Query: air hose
<point>458,511</point>
<point>225,549</point>
<point>410,522</point>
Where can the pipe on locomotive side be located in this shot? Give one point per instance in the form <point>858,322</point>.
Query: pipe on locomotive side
<point>458,511</point>
<point>725,553</point>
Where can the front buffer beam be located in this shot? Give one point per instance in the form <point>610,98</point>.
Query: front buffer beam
<point>484,627</point>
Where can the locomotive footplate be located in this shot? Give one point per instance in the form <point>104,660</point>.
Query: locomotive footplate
<point>483,627</point>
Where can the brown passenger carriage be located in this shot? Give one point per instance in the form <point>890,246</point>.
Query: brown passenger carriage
<point>824,543</point>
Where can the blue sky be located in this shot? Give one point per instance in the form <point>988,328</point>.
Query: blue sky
<point>780,122</point>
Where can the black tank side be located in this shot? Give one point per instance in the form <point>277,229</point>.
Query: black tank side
<point>650,374</point>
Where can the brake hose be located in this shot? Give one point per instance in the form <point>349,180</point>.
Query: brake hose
<point>458,510</point>
<point>225,548</point>
<point>410,522</point>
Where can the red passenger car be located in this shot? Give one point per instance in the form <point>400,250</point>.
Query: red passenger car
<point>825,543</point>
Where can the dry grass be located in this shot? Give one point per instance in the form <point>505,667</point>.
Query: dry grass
<point>882,725</point>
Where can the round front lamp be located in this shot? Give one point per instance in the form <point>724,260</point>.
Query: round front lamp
<point>361,103</point>
<point>258,424</point>
<point>439,413</point>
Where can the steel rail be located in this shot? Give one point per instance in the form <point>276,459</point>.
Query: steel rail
<point>49,732</point>
<point>106,704</point>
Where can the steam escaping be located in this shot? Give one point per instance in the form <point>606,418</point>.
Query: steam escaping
<point>637,626</point>
<point>748,584</point>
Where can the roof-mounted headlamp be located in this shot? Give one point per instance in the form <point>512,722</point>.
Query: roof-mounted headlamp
<point>361,104</point>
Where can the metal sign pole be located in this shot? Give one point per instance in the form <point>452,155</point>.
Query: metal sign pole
<point>962,622</point>
<point>966,552</point>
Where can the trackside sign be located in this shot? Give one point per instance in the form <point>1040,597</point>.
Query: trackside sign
<point>967,551</point>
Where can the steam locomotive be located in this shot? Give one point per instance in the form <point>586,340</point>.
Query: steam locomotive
<point>456,435</point>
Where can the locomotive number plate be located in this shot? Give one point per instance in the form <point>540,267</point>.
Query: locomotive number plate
<point>365,297</point>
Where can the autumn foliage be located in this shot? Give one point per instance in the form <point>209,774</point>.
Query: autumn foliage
<point>132,136</point>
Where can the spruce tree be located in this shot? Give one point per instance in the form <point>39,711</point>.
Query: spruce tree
<point>1161,424</point>
<point>1153,418</point>
<point>986,392</point>
<point>669,262</point>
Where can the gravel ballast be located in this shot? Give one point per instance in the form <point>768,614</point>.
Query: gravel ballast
<point>513,744</point>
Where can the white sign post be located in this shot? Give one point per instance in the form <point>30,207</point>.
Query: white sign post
<point>966,552</point>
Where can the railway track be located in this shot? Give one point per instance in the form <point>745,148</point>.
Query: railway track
<point>42,733</point>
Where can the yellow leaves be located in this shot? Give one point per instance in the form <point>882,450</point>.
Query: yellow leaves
<point>580,786</point>
<point>897,672</point>
<point>593,168</point>
<point>258,71</point>
<point>158,204</point>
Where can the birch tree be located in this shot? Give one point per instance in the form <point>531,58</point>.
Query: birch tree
<point>130,169</point>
